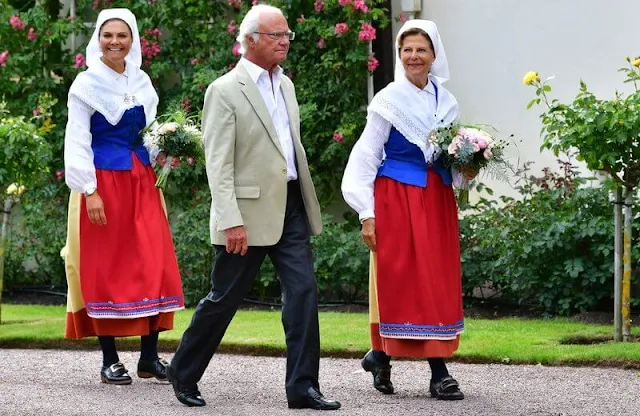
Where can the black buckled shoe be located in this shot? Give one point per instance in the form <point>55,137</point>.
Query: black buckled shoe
<point>446,389</point>
<point>186,394</point>
<point>115,374</point>
<point>381,373</point>
<point>157,369</point>
<point>314,400</point>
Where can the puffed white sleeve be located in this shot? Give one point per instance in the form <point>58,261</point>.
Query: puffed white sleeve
<point>151,147</point>
<point>80,172</point>
<point>362,167</point>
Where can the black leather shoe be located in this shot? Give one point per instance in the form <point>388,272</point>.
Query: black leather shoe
<point>186,394</point>
<point>381,373</point>
<point>446,389</point>
<point>157,369</point>
<point>314,400</point>
<point>115,374</point>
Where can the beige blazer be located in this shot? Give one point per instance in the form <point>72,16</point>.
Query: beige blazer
<point>246,167</point>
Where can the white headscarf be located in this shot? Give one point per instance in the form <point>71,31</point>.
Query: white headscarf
<point>97,86</point>
<point>440,67</point>
<point>398,102</point>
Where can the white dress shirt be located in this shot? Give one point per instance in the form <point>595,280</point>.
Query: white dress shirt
<point>274,100</point>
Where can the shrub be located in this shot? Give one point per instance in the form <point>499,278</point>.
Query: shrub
<point>551,249</point>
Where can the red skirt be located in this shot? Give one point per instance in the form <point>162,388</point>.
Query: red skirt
<point>417,280</point>
<point>129,281</point>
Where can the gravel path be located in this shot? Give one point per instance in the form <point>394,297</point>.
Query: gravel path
<point>52,382</point>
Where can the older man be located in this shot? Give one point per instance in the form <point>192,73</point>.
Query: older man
<point>263,203</point>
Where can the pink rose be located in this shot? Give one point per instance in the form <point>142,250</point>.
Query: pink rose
<point>60,175</point>
<point>235,3</point>
<point>402,18</point>
<point>372,64</point>
<point>318,5</point>
<point>321,43</point>
<point>32,34</point>
<point>344,3</point>
<point>367,32</point>
<point>360,5</point>
<point>300,19</point>
<point>79,61</point>
<point>338,137</point>
<point>195,61</point>
<point>4,57</point>
<point>191,161</point>
<point>16,23</point>
<point>488,154</point>
<point>36,112</point>
<point>231,27</point>
<point>236,50</point>
<point>341,28</point>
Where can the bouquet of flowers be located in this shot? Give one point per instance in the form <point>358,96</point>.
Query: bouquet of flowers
<point>178,137</point>
<point>469,149</point>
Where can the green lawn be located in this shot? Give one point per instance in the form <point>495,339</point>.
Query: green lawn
<point>346,335</point>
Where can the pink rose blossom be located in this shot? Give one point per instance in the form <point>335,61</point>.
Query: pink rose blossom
<point>80,61</point>
<point>235,3</point>
<point>4,56</point>
<point>236,50</point>
<point>60,175</point>
<point>231,27</point>
<point>338,137</point>
<point>318,5</point>
<point>16,23</point>
<point>402,18</point>
<point>186,104</point>
<point>372,64</point>
<point>149,49</point>
<point>71,18</point>
<point>191,161</point>
<point>367,32</point>
<point>321,43</point>
<point>344,3</point>
<point>36,112</point>
<point>255,2</point>
<point>360,5</point>
<point>341,28</point>
<point>153,32</point>
<point>32,34</point>
<point>196,61</point>
<point>300,19</point>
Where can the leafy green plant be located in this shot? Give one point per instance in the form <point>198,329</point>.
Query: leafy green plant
<point>550,249</point>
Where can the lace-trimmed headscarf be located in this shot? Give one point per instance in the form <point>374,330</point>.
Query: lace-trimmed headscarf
<point>398,103</point>
<point>98,87</point>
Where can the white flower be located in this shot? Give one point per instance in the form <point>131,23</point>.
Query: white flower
<point>15,189</point>
<point>168,128</point>
<point>488,154</point>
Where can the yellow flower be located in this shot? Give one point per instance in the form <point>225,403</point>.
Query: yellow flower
<point>530,77</point>
<point>15,189</point>
<point>636,62</point>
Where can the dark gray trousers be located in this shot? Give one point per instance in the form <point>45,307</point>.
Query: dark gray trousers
<point>232,278</point>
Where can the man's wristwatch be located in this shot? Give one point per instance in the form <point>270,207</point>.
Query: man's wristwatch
<point>90,192</point>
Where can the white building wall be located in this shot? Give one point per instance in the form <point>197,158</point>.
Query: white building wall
<point>491,44</point>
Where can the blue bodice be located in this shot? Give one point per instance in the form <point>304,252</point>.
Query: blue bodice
<point>112,145</point>
<point>404,162</point>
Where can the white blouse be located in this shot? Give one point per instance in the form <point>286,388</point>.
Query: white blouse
<point>80,172</point>
<point>367,156</point>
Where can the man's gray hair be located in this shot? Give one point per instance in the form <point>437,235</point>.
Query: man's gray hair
<point>250,24</point>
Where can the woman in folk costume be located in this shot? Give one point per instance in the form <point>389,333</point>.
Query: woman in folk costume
<point>405,201</point>
<point>122,272</point>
